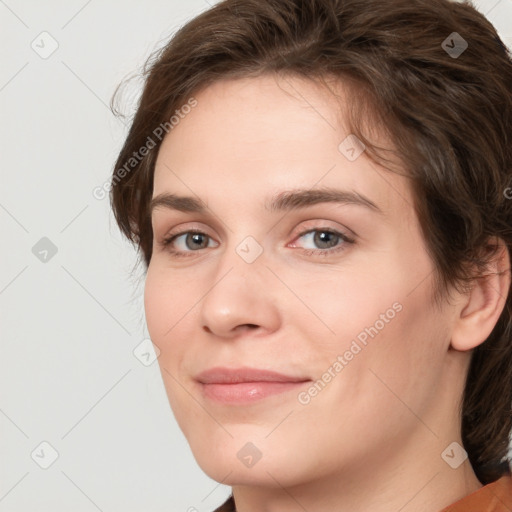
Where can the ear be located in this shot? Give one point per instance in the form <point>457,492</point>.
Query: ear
<point>482,306</point>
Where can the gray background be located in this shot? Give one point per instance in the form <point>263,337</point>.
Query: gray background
<point>72,319</point>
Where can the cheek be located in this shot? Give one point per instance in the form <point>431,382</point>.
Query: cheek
<point>169,309</point>
<point>381,323</point>
<point>163,305</point>
<point>347,305</point>
<point>163,309</point>
<point>153,305</point>
<point>165,298</point>
<point>402,360</point>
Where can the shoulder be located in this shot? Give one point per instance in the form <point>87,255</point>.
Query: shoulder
<point>493,497</point>
<point>227,506</point>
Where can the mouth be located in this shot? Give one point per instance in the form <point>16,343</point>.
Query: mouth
<point>245,385</point>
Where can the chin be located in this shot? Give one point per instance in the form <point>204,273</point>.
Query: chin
<point>238,461</point>
<point>234,473</point>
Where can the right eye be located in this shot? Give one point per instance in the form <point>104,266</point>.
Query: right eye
<point>192,241</point>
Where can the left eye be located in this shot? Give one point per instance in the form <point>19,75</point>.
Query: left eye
<point>331,242</point>
<point>324,238</point>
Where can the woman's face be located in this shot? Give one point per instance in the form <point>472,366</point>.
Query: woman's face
<point>333,294</point>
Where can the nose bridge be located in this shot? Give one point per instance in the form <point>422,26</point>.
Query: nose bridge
<point>243,253</point>
<point>241,267</point>
<point>239,291</point>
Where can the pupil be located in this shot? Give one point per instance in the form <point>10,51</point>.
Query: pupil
<point>195,238</point>
<point>322,237</point>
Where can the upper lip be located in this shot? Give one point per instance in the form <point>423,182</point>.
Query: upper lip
<point>220,375</point>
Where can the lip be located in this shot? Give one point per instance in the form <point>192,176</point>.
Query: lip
<point>245,385</point>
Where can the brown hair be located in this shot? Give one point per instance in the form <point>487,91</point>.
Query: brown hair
<point>447,113</point>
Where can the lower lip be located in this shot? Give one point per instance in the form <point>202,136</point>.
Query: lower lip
<point>247,392</point>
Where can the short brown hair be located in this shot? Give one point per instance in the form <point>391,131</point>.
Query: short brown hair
<point>446,108</point>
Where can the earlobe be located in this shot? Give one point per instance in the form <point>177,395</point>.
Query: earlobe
<point>484,304</point>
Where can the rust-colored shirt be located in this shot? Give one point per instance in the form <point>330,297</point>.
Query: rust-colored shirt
<point>493,497</point>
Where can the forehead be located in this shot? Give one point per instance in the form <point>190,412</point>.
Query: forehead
<point>235,119</point>
<point>246,137</point>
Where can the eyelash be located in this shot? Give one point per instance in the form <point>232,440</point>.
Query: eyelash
<point>166,242</point>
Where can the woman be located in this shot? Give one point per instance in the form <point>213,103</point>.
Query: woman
<point>373,372</point>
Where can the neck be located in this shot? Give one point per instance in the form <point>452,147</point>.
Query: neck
<point>403,485</point>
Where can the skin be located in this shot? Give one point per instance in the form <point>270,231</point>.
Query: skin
<point>372,438</point>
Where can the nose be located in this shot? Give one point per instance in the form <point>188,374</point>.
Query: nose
<point>241,297</point>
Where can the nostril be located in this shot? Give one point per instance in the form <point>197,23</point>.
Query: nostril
<point>242,326</point>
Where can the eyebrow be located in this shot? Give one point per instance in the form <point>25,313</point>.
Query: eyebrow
<point>284,201</point>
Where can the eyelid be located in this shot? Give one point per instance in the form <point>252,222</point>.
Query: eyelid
<point>319,225</point>
<point>345,235</point>
<point>181,229</point>
<point>344,239</point>
<point>311,225</point>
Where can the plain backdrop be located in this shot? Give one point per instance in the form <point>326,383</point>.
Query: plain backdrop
<point>85,423</point>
